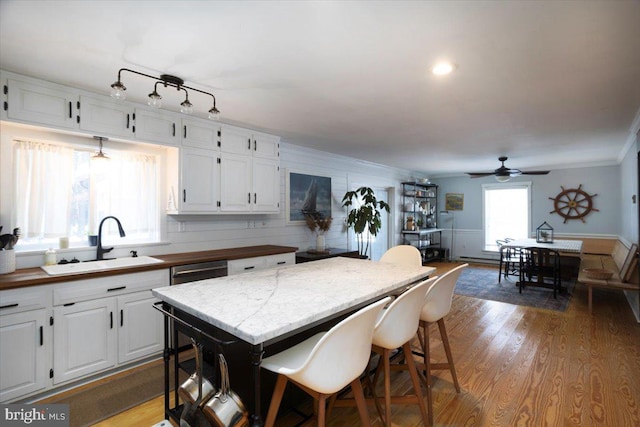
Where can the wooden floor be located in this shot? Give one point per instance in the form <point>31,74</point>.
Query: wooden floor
<point>517,366</point>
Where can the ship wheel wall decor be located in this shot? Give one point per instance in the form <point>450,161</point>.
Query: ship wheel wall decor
<point>573,203</point>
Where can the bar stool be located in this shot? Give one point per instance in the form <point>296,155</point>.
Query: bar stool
<point>437,304</point>
<point>396,328</point>
<point>327,362</point>
<point>403,255</point>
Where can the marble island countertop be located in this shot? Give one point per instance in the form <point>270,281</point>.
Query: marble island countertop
<point>262,305</point>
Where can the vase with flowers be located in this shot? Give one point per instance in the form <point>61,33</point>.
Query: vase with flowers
<point>318,225</point>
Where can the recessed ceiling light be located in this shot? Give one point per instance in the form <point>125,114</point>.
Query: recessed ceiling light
<point>442,68</point>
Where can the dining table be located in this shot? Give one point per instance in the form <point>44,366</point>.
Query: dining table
<point>561,246</point>
<point>571,246</point>
<point>264,310</point>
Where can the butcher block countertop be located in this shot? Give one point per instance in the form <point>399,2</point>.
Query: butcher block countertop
<point>36,276</point>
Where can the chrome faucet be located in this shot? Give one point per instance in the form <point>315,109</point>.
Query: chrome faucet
<point>100,251</point>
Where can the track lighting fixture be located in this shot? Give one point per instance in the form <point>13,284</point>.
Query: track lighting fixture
<point>118,91</point>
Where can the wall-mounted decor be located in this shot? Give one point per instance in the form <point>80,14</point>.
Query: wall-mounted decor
<point>454,201</point>
<point>307,195</point>
<point>573,203</point>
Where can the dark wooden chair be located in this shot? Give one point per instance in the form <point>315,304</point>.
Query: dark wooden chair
<point>509,260</point>
<point>540,267</point>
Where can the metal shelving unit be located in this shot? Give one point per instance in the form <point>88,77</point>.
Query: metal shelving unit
<point>420,220</point>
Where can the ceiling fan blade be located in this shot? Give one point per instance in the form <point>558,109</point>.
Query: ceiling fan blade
<point>535,173</point>
<point>479,174</point>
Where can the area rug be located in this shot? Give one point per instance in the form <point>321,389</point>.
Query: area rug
<point>88,406</point>
<point>483,283</point>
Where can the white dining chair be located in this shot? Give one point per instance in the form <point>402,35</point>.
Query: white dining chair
<point>327,362</point>
<point>403,255</point>
<point>437,304</point>
<point>395,329</point>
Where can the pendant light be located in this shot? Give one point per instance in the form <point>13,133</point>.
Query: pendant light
<point>100,156</point>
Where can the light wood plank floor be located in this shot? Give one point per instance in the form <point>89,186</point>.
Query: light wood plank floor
<point>517,366</point>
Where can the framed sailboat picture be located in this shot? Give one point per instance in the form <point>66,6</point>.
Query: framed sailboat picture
<point>307,195</point>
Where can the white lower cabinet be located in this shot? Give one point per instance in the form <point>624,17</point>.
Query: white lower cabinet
<point>140,331</point>
<point>101,323</point>
<point>84,339</point>
<point>24,356</point>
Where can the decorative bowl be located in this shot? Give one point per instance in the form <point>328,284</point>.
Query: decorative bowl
<point>598,273</point>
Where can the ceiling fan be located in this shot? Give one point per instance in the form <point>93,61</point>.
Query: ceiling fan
<point>504,174</point>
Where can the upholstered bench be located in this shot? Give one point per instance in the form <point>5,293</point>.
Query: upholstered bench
<point>621,262</point>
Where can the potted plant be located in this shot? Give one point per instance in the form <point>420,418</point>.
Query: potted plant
<point>365,218</point>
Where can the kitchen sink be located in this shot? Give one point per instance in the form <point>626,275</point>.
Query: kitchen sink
<point>101,265</point>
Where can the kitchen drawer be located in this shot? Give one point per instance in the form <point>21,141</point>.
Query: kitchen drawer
<point>24,299</point>
<point>84,290</point>
<point>280,260</point>
<point>237,266</point>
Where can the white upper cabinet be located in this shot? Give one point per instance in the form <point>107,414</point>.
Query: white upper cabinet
<point>199,181</point>
<point>266,185</point>
<point>266,146</point>
<point>235,140</point>
<point>250,171</point>
<point>156,126</point>
<point>41,103</point>
<point>200,134</point>
<point>101,115</point>
<point>236,194</point>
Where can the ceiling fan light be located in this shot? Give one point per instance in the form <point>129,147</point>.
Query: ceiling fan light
<point>503,178</point>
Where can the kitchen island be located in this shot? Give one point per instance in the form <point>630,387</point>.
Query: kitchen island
<point>266,311</point>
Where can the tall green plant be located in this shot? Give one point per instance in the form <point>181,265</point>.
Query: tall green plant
<point>364,215</point>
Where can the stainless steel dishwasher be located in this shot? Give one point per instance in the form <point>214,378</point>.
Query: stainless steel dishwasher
<point>190,273</point>
<point>200,271</point>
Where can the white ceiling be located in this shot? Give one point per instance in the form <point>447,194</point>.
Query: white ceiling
<point>548,83</point>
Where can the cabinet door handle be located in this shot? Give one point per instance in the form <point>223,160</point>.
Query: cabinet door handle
<point>70,110</point>
<point>8,306</point>
<point>184,196</point>
<point>249,198</point>
<point>41,336</point>
<point>282,262</point>
<point>119,288</point>
<point>174,129</point>
<point>184,132</point>
<point>255,198</point>
<point>127,121</point>
<point>249,144</point>
<point>121,318</point>
<point>255,145</point>
<point>111,319</point>
<point>250,267</point>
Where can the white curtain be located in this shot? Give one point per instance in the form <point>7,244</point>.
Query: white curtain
<point>43,188</point>
<point>127,190</point>
<point>52,199</point>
